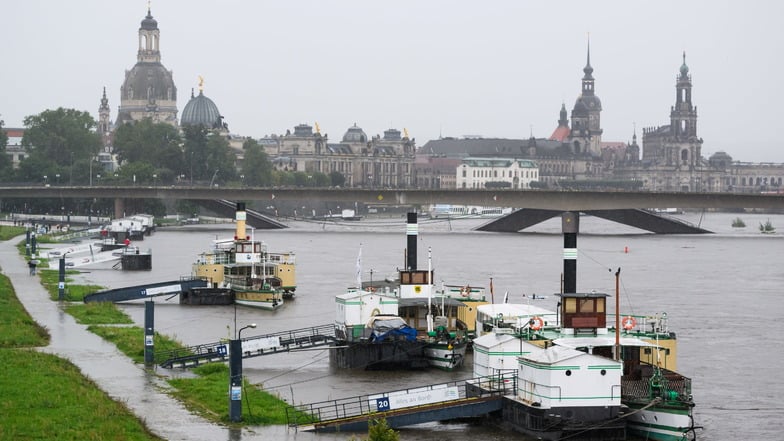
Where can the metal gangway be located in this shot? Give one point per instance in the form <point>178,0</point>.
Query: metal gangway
<point>440,402</point>
<point>254,346</point>
<point>139,292</point>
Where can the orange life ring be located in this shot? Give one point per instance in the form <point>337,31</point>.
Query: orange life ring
<point>629,323</point>
<point>536,323</point>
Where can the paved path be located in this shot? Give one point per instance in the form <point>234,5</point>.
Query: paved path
<point>99,360</point>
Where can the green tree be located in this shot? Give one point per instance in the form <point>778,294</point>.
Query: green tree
<point>320,179</point>
<point>256,166</point>
<point>208,156</point>
<point>158,144</point>
<point>6,165</point>
<point>282,178</point>
<point>58,140</point>
<point>379,430</point>
<point>337,179</point>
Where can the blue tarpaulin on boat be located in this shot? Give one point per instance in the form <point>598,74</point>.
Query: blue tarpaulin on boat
<point>391,328</point>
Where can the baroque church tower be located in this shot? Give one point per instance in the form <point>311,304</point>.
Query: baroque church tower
<point>676,145</point>
<point>585,137</point>
<point>683,121</point>
<point>104,121</point>
<point>148,90</point>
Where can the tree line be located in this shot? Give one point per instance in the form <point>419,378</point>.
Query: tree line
<point>62,147</point>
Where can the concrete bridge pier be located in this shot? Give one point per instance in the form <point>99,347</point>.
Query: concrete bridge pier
<point>119,208</point>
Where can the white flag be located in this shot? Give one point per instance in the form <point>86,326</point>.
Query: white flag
<point>359,268</point>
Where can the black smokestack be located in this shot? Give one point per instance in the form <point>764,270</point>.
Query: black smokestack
<point>412,230</point>
<point>570,225</point>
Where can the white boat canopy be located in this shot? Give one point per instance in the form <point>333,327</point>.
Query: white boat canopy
<point>596,342</point>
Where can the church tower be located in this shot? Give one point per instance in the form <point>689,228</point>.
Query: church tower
<point>586,135</point>
<point>148,90</point>
<point>686,147</point>
<point>104,120</point>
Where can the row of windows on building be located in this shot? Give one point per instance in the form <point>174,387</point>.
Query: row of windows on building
<point>504,174</point>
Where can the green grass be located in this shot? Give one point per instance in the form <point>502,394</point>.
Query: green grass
<point>208,395</point>
<point>9,232</point>
<point>18,329</point>
<point>46,397</point>
<point>98,313</point>
<point>50,279</point>
<point>130,340</point>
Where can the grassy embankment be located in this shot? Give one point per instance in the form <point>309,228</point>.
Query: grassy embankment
<point>206,394</point>
<point>46,397</point>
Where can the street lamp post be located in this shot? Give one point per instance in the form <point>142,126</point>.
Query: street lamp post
<point>235,376</point>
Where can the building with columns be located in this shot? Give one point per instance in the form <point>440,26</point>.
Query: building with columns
<point>386,162</point>
<point>148,90</point>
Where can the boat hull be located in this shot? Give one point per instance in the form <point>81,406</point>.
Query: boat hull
<point>446,356</point>
<point>268,301</point>
<point>661,424</point>
<point>384,355</point>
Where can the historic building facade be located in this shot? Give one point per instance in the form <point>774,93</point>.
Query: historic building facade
<point>386,162</point>
<point>670,158</point>
<point>148,90</point>
<point>515,174</point>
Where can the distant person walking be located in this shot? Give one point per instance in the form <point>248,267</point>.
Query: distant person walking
<point>32,264</point>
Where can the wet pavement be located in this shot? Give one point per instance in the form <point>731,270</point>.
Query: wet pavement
<point>122,379</point>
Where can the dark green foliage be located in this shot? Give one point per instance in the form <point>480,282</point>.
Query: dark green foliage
<point>60,141</point>
<point>256,167</point>
<point>379,430</point>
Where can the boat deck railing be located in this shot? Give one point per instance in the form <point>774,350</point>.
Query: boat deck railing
<point>643,389</point>
<point>254,346</point>
<point>347,411</point>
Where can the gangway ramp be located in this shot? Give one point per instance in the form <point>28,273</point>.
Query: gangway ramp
<point>254,346</point>
<point>139,292</point>
<point>400,408</point>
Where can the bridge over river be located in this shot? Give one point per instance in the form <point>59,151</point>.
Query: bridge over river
<point>621,206</point>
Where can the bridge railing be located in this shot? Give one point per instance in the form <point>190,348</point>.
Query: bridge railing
<point>251,346</point>
<point>324,412</point>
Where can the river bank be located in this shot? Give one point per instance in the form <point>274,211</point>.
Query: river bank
<point>141,390</point>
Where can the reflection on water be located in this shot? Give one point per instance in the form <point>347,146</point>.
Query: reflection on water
<point>721,291</point>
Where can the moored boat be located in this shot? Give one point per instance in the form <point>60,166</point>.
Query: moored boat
<point>243,265</point>
<point>435,319</point>
<point>583,374</point>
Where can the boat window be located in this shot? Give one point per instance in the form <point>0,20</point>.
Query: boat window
<point>586,305</point>
<point>570,305</point>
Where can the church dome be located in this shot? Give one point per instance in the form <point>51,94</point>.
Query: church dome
<point>355,134</point>
<point>201,110</point>
<point>149,81</point>
<point>149,23</point>
<point>587,103</point>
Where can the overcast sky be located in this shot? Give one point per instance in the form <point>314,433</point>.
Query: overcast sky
<point>437,68</point>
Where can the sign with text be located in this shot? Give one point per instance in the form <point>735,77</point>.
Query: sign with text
<point>402,400</point>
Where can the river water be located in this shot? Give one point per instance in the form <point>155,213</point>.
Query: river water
<point>722,293</point>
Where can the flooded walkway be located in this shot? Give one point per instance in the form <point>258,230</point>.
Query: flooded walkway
<point>112,371</point>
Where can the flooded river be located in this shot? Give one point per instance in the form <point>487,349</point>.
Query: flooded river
<point>722,292</point>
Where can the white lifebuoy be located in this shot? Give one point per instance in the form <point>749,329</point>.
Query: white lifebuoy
<point>536,323</point>
<point>629,323</point>
<point>375,312</point>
